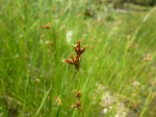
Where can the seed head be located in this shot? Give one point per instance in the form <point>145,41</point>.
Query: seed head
<point>78,50</point>
<point>147,57</point>
<point>46,26</point>
<point>77,105</point>
<point>78,94</point>
<point>58,101</point>
<point>75,60</point>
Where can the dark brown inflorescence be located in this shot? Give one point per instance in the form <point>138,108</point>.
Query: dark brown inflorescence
<point>78,50</point>
<point>78,94</point>
<point>75,60</point>
<point>78,104</point>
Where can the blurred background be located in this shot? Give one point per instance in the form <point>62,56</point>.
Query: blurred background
<point>116,77</point>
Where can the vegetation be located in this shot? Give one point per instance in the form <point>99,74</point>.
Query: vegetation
<point>116,76</point>
<point>120,3</point>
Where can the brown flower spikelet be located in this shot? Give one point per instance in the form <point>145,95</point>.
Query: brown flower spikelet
<point>77,105</point>
<point>78,94</point>
<point>78,50</point>
<point>75,60</point>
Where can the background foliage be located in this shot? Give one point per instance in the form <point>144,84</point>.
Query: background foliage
<point>117,71</point>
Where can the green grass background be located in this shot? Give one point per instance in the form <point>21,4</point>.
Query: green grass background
<point>32,74</point>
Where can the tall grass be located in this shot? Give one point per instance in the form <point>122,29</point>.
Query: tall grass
<point>120,56</point>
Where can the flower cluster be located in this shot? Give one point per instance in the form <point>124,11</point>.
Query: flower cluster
<point>78,104</point>
<point>147,57</point>
<point>78,50</point>
<point>75,60</point>
<point>46,26</point>
<point>58,101</point>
